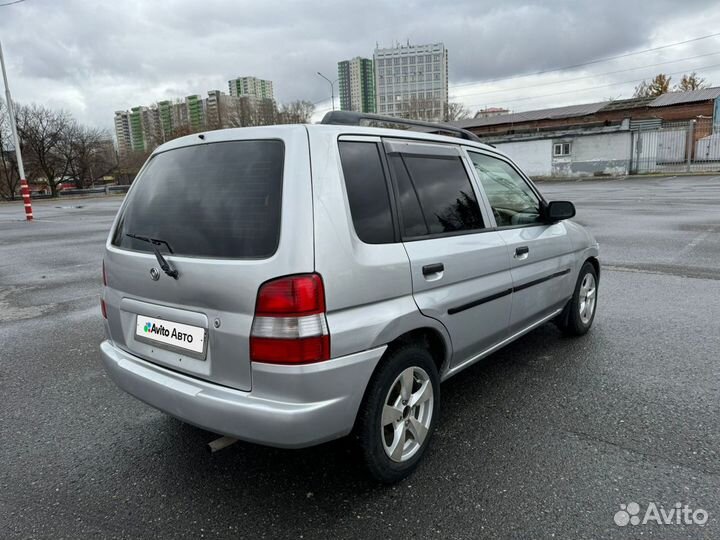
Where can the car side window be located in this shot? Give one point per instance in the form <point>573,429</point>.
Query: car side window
<point>512,200</point>
<point>435,195</point>
<point>367,192</point>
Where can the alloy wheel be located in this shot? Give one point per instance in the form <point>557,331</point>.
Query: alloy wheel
<point>407,414</point>
<point>587,298</point>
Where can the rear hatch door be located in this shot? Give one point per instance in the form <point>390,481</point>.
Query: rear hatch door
<point>228,214</point>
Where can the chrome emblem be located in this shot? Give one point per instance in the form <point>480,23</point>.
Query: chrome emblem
<point>154,274</point>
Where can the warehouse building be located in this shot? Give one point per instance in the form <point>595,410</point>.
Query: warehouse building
<point>678,131</point>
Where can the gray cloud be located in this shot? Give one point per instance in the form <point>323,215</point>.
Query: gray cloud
<point>93,57</point>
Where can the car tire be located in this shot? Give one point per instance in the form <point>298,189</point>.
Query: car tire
<point>579,313</point>
<point>393,440</point>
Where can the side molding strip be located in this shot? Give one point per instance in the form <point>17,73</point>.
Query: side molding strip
<point>475,303</point>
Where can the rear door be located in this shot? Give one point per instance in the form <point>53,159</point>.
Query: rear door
<point>460,267</point>
<point>541,258</point>
<point>229,215</point>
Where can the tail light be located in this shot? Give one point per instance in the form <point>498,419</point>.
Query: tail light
<point>290,325</point>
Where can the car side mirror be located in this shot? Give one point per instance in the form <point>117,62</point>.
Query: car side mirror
<point>559,210</point>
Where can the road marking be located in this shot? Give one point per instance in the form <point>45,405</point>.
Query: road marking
<point>688,272</point>
<point>693,243</point>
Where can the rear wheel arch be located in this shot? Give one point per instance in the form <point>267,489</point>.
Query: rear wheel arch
<point>422,350</point>
<point>428,338</point>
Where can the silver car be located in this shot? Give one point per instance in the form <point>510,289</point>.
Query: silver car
<point>290,285</point>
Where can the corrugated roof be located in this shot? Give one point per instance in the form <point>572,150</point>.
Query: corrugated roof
<point>528,116</point>
<point>585,109</point>
<point>675,98</point>
<point>623,104</point>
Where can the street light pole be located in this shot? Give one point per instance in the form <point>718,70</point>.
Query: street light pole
<point>24,189</point>
<point>332,88</point>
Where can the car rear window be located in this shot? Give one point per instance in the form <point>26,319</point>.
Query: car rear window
<point>219,200</point>
<point>367,192</point>
<point>436,196</point>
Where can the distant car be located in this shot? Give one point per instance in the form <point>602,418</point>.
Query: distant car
<point>290,285</point>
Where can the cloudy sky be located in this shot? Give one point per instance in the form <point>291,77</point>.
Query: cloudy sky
<point>92,57</point>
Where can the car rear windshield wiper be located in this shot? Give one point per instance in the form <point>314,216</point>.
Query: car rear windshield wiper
<point>162,261</point>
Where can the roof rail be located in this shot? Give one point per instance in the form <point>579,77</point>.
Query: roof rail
<point>352,118</point>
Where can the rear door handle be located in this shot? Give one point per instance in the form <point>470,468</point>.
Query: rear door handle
<point>522,252</point>
<point>430,269</point>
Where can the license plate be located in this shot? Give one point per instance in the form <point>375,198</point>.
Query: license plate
<point>177,335</point>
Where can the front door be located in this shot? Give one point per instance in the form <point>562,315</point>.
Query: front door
<point>540,253</point>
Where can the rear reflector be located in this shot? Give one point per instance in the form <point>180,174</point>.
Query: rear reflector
<point>290,351</point>
<point>290,325</point>
<point>103,308</point>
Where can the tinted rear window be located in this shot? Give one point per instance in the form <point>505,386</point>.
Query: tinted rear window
<point>367,192</point>
<point>219,200</point>
<point>435,196</point>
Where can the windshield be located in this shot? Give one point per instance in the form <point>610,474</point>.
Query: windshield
<point>219,200</point>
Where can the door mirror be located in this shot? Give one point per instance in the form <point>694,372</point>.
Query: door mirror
<point>559,210</point>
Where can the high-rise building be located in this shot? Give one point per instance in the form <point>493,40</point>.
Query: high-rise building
<point>137,134</point>
<point>356,85</point>
<point>196,112</point>
<point>138,129</point>
<point>411,81</point>
<point>122,131</point>
<point>165,112</point>
<point>251,87</point>
<point>143,128</point>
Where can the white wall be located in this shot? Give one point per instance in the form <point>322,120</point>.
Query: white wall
<point>605,147</point>
<point>533,157</point>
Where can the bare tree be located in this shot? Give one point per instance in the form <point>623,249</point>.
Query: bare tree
<point>456,111</point>
<point>239,112</point>
<point>295,112</point>
<point>658,86</point>
<point>9,177</point>
<point>691,82</point>
<point>129,165</point>
<point>42,133</point>
<point>89,153</point>
<point>426,109</point>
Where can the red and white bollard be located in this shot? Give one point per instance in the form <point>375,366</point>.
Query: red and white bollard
<point>25,192</point>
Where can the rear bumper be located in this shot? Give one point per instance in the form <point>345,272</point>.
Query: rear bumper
<point>288,407</point>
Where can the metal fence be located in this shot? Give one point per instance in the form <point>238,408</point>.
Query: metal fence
<point>675,147</point>
<point>89,192</point>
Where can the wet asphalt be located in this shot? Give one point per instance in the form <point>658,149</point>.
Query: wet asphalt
<point>546,438</point>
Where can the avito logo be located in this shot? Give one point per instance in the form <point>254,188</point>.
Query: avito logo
<point>153,328</point>
<point>160,330</point>
<point>678,514</point>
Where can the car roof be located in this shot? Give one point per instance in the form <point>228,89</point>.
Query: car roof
<point>289,130</point>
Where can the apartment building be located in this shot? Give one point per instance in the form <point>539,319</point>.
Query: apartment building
<point>122,131</point>
<point>251,87</point>
<point>143,128</point>
<point>356,85</point>
<point>412,81</point>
